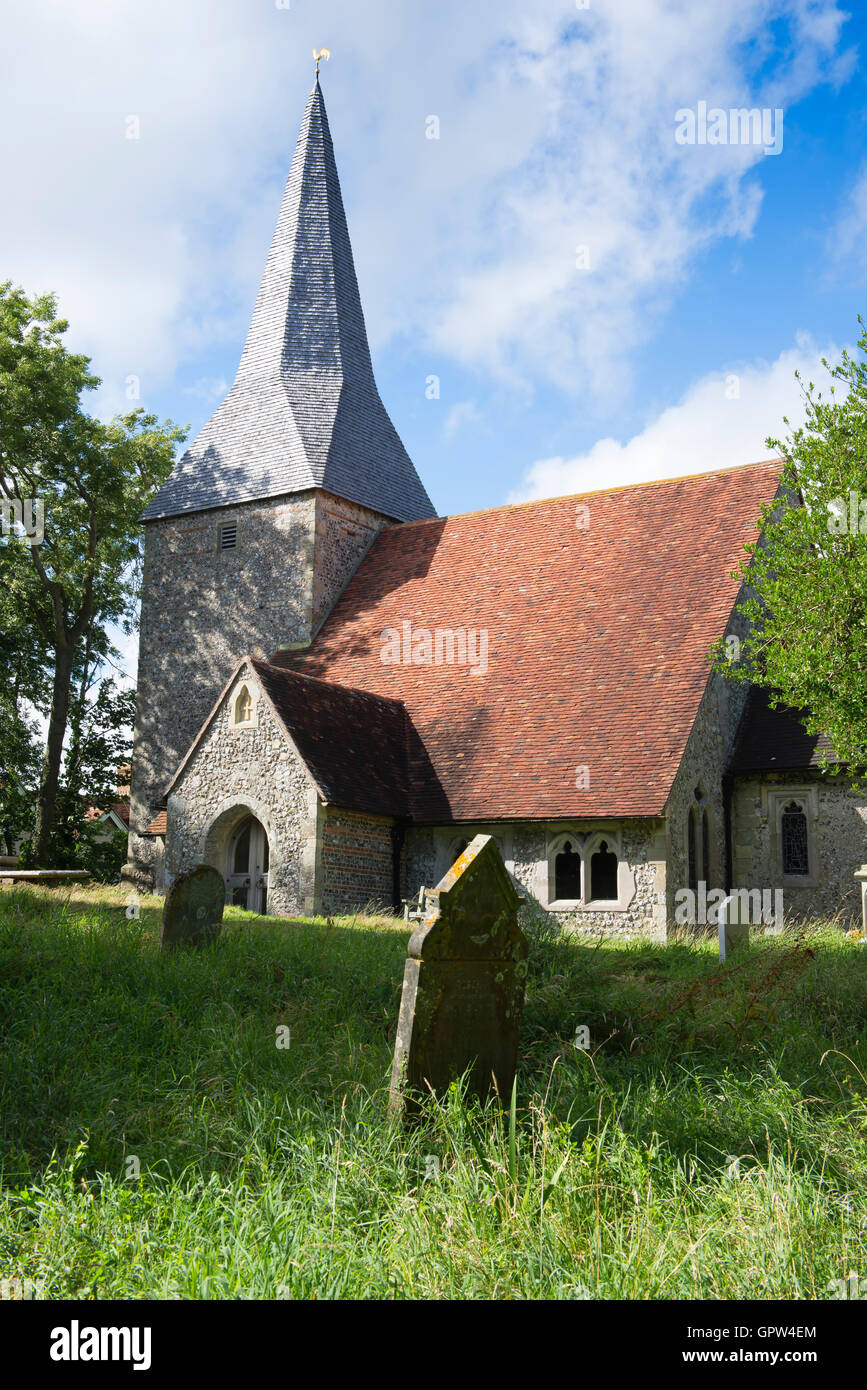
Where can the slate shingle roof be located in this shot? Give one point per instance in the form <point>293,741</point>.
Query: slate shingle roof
<point>597,643</point>
<point>774,740</point>
<point>304,410</point>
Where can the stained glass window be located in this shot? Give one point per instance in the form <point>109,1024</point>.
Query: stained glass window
<point>794,838</point>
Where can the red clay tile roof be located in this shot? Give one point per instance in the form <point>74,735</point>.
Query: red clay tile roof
<point>120,808</point>
<point>157,825</point>
<point>597,643</point>
<point>774,740</point>
<point>354,744</point>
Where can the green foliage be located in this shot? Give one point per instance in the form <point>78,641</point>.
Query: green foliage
<point>93,480</point>
<point>99,747</point>
<point>703,1147</point>
<point>102,855</point>
<point>24,691</point>
<point>808,576</point>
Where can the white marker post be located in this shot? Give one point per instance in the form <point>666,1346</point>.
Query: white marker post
<point>861,876</point>
<point>732,931</point>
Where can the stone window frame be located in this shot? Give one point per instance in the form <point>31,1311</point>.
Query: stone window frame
<point>774,802</point>
<point>699,806</point>
<point>447,846</point>
<point>556,846</point>
<point>586,842</point>
<point>234,722</point>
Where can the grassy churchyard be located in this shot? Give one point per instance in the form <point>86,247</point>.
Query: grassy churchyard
<point>213,1124</point>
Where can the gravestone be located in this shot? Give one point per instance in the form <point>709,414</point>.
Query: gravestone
<point>193,913</point>
<point>732,931</point>
<point>463,985</point>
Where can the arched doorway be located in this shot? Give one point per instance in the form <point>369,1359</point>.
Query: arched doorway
<point>247,866</point>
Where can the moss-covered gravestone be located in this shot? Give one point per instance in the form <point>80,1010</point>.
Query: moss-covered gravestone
<point>463,986</point>
<point>193,913</point>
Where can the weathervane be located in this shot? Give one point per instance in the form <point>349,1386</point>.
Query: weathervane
<point>323,53</point>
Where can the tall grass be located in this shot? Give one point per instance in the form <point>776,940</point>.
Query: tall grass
<point>156,1142</point>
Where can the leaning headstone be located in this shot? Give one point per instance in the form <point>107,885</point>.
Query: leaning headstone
<point>193,913</point>
<point>463,985</point>
<point>733,932</point>
<point>861,876</point>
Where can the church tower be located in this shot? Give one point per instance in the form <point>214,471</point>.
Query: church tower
<point>267,516</point>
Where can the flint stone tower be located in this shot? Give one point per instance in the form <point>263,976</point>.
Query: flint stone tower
<point>267,516</point>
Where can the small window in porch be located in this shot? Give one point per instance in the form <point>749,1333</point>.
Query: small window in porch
<point>244,706</point>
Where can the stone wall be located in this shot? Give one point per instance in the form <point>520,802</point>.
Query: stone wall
<point>705,760</point>
<point>527,849</point>
<point>837,839</point>
<point>241,771</point>
<point>356,862</point>
<point>204,608</point>
<point>344,534</point>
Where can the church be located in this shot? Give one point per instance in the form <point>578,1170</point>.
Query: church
<point>338,689</point>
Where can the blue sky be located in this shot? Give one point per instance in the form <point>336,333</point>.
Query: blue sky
<point>714,270</point>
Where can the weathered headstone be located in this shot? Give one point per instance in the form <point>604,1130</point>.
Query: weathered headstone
<point>463,985</point>
<point>733,931</point>
<point>193,913</point>
<point>861,876</point>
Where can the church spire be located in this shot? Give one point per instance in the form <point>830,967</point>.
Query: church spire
<point>304,411</point>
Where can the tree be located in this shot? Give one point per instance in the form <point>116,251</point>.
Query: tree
<point>807,603</point>
<point>98,749</point>
<point>25,664</point>
<point>93,480</point>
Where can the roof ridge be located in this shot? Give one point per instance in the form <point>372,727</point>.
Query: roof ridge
<point>597,492</point>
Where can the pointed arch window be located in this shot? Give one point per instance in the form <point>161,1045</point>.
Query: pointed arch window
<point>587,870</point>
<point>603,874</point>
<point>794,839</point>
<point>698,841</point>
<point>692,848</point>
<point>567,874</point>
<point>243,708</point>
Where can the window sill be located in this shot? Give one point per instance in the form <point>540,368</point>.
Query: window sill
<point>575,905</point>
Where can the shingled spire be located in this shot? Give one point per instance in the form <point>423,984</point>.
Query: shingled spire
<point>304,411</point>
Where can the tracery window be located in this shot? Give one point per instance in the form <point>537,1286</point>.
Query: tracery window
<point>794,840</point>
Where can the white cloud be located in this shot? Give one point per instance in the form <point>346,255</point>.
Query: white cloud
<point>722,421</point>
<point>460,415</point>
<point>210,389</point>
<point>557,130</point>
<point>846,246</point>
